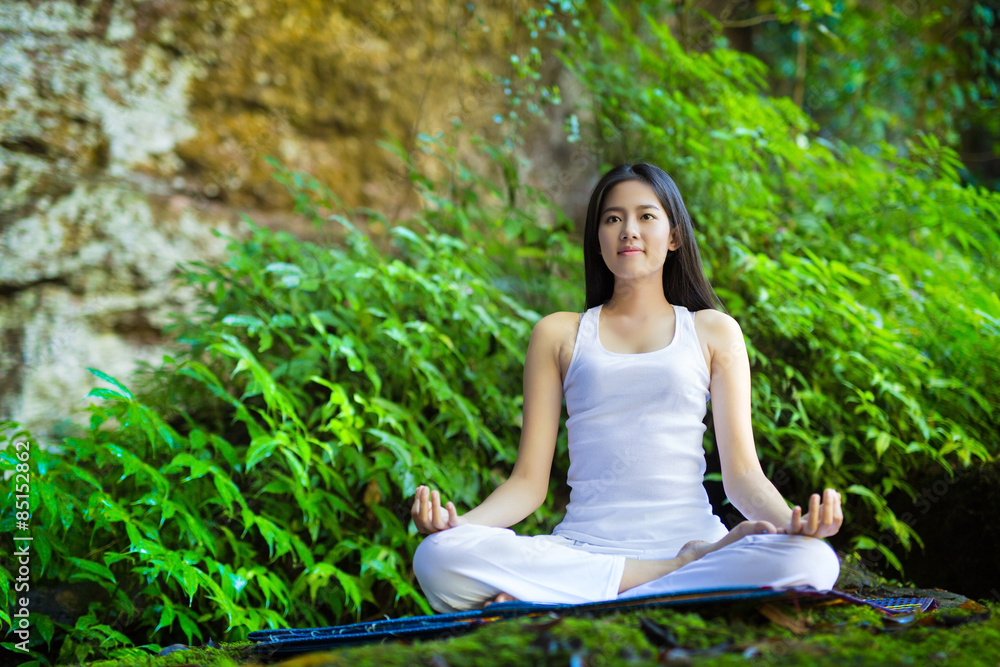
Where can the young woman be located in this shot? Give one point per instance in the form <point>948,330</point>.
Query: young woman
<point>636,370</point>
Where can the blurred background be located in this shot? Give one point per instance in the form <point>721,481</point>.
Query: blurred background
<point>430,163</point>
<point>131,129</point>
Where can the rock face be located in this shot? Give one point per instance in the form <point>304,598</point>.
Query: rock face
<point>129,130</point>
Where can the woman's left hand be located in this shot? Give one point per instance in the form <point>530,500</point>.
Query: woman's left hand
<point>823,518</point>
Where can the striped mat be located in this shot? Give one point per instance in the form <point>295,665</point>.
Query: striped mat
<point>291,641</point>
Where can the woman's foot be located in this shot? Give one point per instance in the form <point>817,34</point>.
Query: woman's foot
<point>503,597</point>
<point>695,549</point>
<point>638,572</point>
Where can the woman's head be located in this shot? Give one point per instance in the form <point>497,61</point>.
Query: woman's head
<point>684,281</point>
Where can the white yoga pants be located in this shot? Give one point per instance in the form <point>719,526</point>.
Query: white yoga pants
<point>463,567</point>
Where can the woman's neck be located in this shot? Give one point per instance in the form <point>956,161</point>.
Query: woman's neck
<point>638,298</point>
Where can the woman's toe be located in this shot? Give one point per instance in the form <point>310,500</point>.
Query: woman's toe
<point>502,597</point>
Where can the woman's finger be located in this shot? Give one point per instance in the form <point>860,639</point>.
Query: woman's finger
<point>436,517</point>
<point>828,502</point>
<point>425,509</point>
<point>796,526</point>
<point>421,510</point>
<point>838,513</point>
<point>813,514</point>
<point>415,510</point>
<point>442,514</point>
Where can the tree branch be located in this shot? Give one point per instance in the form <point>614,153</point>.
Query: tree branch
<point>746,23</point>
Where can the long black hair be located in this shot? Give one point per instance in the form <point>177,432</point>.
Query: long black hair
<point>684,281</point>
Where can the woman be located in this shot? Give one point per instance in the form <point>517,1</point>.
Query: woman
<point>636,370</point>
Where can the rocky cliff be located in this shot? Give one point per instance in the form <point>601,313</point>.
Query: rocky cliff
<point>129,130</point>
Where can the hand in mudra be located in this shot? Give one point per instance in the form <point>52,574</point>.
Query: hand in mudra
<point>823,519</point>
<point>429,516</point>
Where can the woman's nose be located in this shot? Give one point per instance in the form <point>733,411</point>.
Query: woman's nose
<point>629,231</point>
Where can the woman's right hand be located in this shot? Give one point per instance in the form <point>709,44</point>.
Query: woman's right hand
<point>429,516</point>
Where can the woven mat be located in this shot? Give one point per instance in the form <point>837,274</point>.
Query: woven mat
<point>290,641</point>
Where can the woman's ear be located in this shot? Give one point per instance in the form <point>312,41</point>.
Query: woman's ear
<point>675,240</point>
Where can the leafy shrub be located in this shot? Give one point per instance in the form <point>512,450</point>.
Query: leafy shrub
<point>264,476</point>
<point>860,86</point>
<point>866,284</point>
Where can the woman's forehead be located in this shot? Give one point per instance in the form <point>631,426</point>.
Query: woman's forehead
<point>631,194</point>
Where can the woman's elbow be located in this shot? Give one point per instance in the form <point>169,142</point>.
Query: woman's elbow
<point>535,491</point>
<point>743,482</point>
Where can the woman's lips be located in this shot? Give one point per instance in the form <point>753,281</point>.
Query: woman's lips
<point>629,251</point>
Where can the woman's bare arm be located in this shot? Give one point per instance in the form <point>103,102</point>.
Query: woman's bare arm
<point>526,488</point>
<point>745,483</point>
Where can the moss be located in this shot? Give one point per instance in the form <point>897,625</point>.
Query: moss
<point>738,635</point>
<point>230,655</point>
<point>842,634</point>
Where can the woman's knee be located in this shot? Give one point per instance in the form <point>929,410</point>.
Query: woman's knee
<point>434,559</point>
<point>444,565</point>
<point>815,562</point>
<point>786,560</point>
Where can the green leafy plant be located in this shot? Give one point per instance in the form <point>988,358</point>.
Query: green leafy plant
<point>866,284</point>
<point>263,476</point>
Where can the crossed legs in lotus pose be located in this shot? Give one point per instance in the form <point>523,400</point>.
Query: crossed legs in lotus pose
<point>641,571</point>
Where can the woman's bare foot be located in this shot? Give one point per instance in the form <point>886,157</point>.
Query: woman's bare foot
<point>637,572</point>
<point>503,597</point>
<point>695,549</point>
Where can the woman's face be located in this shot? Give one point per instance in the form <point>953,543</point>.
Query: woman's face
<point>634,232</point>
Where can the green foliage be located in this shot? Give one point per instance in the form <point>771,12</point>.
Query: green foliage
<point>264,476</point>
<point>860,85</point>
<point>866,284</point>
<point>870,71</point>
<point>525,236</point>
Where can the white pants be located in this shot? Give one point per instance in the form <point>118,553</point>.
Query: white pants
<point>463,567</point>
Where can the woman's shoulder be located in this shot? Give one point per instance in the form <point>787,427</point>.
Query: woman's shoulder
<point>557,326</point>
<point>554,336</point>
<point>716,328</point>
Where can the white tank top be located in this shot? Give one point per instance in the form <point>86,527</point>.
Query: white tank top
<point>635,443</point>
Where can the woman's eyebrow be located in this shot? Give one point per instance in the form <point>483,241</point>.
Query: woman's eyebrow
<point>620,208</point>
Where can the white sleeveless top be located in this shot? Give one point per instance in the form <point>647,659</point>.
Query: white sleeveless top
<point>635,443</point>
